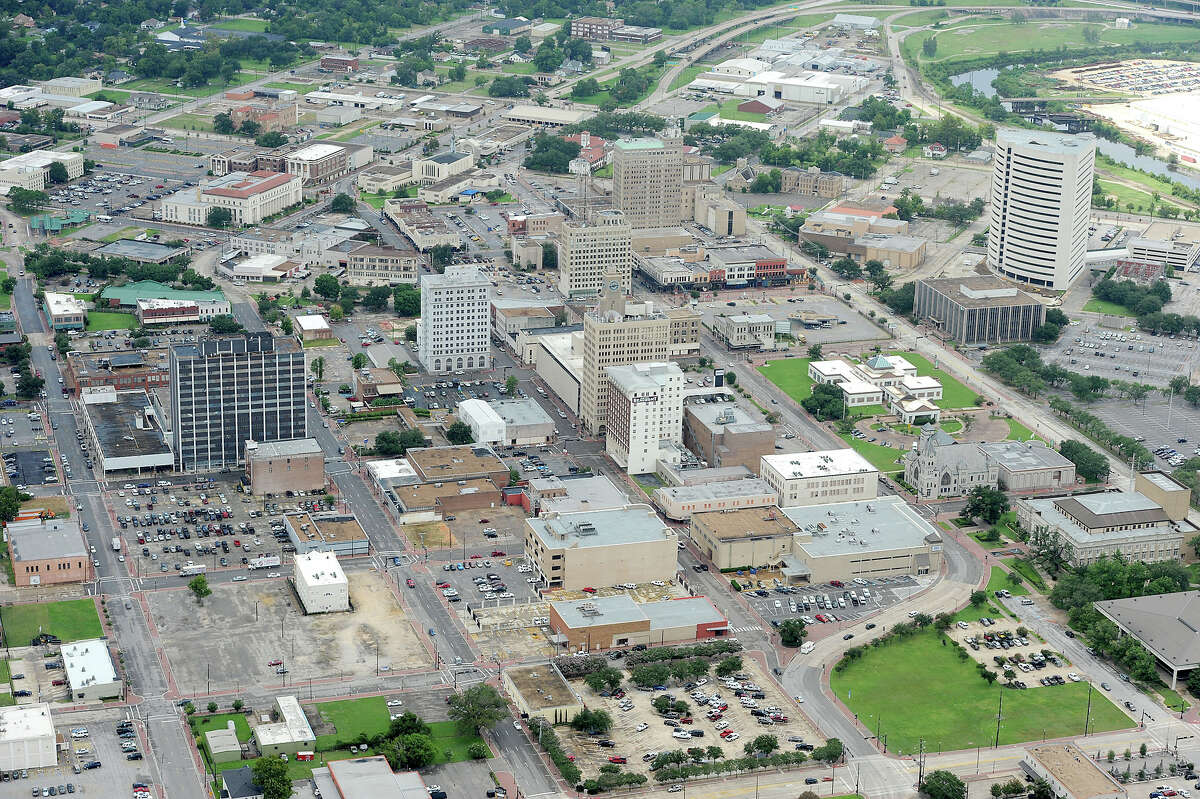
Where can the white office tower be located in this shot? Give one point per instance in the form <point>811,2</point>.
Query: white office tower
<point>453,334</point>
<point>592,249</point>
<point>645,413</point>
<point>1041,200</point>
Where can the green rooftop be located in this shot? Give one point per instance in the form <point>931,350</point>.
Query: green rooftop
<point>130,293</point>
<point>639,144</point>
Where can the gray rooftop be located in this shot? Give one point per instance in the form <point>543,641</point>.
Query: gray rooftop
<point>139,250</point>
<point>1166,624</point>
<point>633,524</point>
<point>116,428</point>
<point>1020,456</point>
<point>621,609</point>
<point>449,158</point>
<point>865,526</point>
<point>43,540</point>
<point>1112,509</point>
<point>239,783</point>
<point>980,291</point>
<point>591,492</point>
<point>1163,482</point>
<point>521,412</point>
<point>370,777</point>
<point>719,415</point>
<point>724,490</point>
<point>292,448</point>
<point>890,242</point>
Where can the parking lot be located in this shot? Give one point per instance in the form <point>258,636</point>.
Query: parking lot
<point>112,778</point>
<point>1151,420</point>
<point>641,729</point>
<point>998,645</point>
<point>271,626</point>
<point>26,467</point>
<point>474,584</point>
<point>1124,354</point>
<point>19,431</point>
<point>817,602</point>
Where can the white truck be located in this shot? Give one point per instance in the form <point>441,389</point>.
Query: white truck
<point>192,569</point>
<point>116,544</point>
<point>263,562</point>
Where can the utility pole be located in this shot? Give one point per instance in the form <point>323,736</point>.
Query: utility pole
<point>1087,718</point>
<point>999,715</point>
<point>920,762</point>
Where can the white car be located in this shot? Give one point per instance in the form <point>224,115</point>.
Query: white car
<point>659,583</point>
<point>642,727</point>
<point>720,725</point>
<point>733,736</point>
<point>799,699</point>
<point>240,578</point>
<point>1073,677</point>
<point>272,574</point>
<point>681,734</point>
<point>394,703</point>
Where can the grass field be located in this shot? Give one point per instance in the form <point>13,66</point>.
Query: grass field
<point>952,426</point>
<point>189,122</point>
<point>1125,195</point>
<point>70,620</point>
<point>106,320</point>
<point>651,72</point>
<point>920,19</point>
<point>950,706</point>
<point>1104,306</point>
<point>1018,431</point>
<point>251,25</point>
<point>123,233</point>
<point>987,39</point>
<point>1172,699</point>
<point>1027,570</point>
<point>954,393</point>
<point>791,375</point>
<point>882,458</point>
<point>353,717</point>
<point>518,69</point>
<point>687,75</point>
<point>999,579</point>
<point>169,87</point>
<point>5,299</point>
<point>447,738</point>
<point>729,111</point>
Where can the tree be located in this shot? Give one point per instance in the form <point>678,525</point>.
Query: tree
<point>327,286</point>
<point>359,360</point>
<point>250,128</point>
<point>27,201</point>
<point>410,333</point>
<point>792,633</point>
<point>377,299</point>
<point>225,325</point>
<point>199,587</point>
<point>413,751</point>
<point>219,217</point>
<point>476,708</point>
<point>29,385</point>
<point>766,744</point>
<point>523,45</point>
<point>62,342</point>
<point>830,752</point>
<point>728,666</point>
<point>943,784</point>
<point>212,707</point>
<point>392,442</point>
<point>510,388</point>
<point>270,773</point>
<point>406,301</point>
<point>929,47</point>
<point>978,598</point>
<point>271,139</point>
<point>1089,464</point>
<point>11,499</point>
<point>285,324</point>
<point>342,204</point>
<point>223,123</point>
<point>592,722</point>
<point>987,503</point>
<point>459,433</point>
<point>1042,789</point>
<point>58,172</point>
<point>317,367</point>
<point>238,705</point>
<point>814,352</point>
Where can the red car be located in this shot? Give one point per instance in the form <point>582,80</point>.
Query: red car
<point>237,542</point>
<point>726,733</point>
<point>275,663</point>
<point>476,557</point>
<point>410,583</point>
<point>686,720</point>
<point>779,717</point>
<point>589,590</point>
<point>443,584</point>
<point>617,759</point>
<point>484,521</point>
<point>160,186</point>
<point>497,553</point>
<point>836,583</point>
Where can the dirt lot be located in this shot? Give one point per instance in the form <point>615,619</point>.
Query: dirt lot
<point>987,656</point>
<point>269,625</point>
<point>433,535</point>
<point>657,736</point>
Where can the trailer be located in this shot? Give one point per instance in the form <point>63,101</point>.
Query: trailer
<point>116,544</point>
<point>263,562</point>
<point>191,570</point>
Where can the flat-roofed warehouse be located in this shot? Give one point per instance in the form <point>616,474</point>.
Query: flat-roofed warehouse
<point>544,117</point>
<point>978,309</point>
<point>541,691</point>
<point>125,431</point>
<point>681,502</point>
<point>1070,773</point>
<point>576,550</point>
<point>144,252</point>
<point>439,464</point>
<point>91,674</point>
<point>882,537</point>
<point>618,621</point>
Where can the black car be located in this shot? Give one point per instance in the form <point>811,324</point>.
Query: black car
<point>134,756</point>
<point>92,764</point>
<point>810,780</point>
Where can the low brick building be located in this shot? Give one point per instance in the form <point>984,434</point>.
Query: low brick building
<point>277,467</point>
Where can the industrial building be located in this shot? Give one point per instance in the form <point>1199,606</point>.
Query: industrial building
<point>125,430</point>
<point>576,550</point>
<point>367,778</point>
<point>816,478</point>
<point>599,623</point>
<point>47,552</point>
<point>91,675</point>
<point>881,537</point>
<point>463,462</point>
<point>278,467</point>
<point>1041,207</point>
<point>645,413</point>
<point>724,434</point>
<point>320,583</point>
<point>27,737</point>
<point>1107,523</point>
<point>291,734</point>
<point>540,691</point>
<point>125,298</point>
<point>544,117</point>
<point>978,309</point>
<point>508,422</point>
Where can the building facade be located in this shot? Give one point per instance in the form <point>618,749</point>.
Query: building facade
<point>645,411</point>
<point>746,331</point>
<point>978,310</point>
<point>572,551</point>
<point>591,251</point>
<point>724,435</point>
<point>648,181</point>
<point>938,466</point>
<point>383,266</point>
<point>282,466</point>
<point>47,552</point>
<point>321,584</point>
<point>816,478</point>
<point>453,334</point>
<point>1041,207</point>
<point>248,197</point>
<point>229,391</point>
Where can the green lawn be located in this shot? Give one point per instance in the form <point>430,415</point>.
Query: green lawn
<point>447,738</point>
<point>242,24</point>
<point>5,299</point>
<point>987,39</point>
<point>353,717</point>
<point>687,75</point>
<point>322,342</point>
<point>728,110</point>
<point>999,579</point>
<point>189,122</point>
<point>920,19</point>
<point>1018,431</point>
<point>972,613</point>
<point>882,458</point>
<point>169,87</point>
<point>123,233</point>
<point>950,706</point>
<point>651,72</point>
<point>954,393</point>
<point>1027,570</point>
<point>203,724</point>
<point>106,320</point>
<point>791,375</point>
<point>1126,196</point>
<point>113,95</point>
<point>952,426</point>
<point>1172,699</point>
<point>978,537</point>
<point>1104,306</point>
<point>519,69</point>
<point>70,620</point>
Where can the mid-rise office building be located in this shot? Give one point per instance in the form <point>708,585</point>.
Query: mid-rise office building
<point>590,250</point>
<point>816,478</point>
<point>978,310</point>
<point>648,181</point>
<point>228,391</point>
<point>645,411</point>
<point>576,550</point>
<point>1041,205</point>
<point>453,333</point>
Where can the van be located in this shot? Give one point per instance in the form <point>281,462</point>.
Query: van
<point>807,647</point>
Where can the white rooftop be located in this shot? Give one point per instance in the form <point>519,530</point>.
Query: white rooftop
<point>64,304</point>
<point>293,728</point>
<point>392,469</point>
<point>23,722</point>
<point>320,568</point>
<point>822,463</point>
<point>312,322</point>
<point>88,663</point>
<point>315,152</point>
